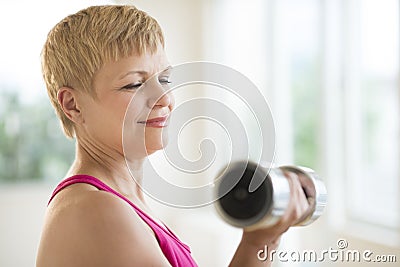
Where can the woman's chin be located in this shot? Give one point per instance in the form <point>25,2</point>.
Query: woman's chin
<point>151,148</point>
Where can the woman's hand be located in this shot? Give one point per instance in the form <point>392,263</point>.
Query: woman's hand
<point>254,241</point>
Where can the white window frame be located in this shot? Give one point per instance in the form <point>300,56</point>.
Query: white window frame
<point>340,90</point>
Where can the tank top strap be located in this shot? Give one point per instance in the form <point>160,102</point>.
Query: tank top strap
<point>87,179</point>
<point>80,178</point>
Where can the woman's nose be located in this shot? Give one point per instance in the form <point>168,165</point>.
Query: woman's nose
<point>164,100</point>
<point>159,95</point>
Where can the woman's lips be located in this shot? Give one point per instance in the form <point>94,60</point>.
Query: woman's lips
<point>156,122</point>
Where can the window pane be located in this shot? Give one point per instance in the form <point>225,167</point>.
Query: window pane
<point>301,27</point>
<point>377,183</point>
<point>32,145</point>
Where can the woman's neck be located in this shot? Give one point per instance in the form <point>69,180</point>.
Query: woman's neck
<point>111,168</point>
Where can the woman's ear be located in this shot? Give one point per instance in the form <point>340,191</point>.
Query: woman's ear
<point>67,98</point>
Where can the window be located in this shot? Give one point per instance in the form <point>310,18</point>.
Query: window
<point>335,81</point>
<point>360,122</point>
<point>303,49</point>
<point>372,114</point>
<point>27,131</point>
<point>32,145</point>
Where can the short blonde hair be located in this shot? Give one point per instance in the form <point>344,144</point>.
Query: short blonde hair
<point>80,44</point>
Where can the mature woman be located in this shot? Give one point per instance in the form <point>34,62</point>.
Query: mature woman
<point>93,62</point>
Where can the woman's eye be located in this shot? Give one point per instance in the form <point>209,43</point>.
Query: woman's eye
<point>132,86</point>
<point>164,81</point>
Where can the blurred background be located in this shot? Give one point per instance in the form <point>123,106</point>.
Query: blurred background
<point>329,70</point>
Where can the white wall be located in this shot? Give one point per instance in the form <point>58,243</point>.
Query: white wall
<point>22,209</point>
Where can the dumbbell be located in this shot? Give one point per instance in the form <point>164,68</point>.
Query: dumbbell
<point>263,207</point>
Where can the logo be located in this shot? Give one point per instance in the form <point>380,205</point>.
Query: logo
<point>219,116</point>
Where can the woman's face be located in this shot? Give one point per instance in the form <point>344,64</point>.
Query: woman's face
<point>130,92</point>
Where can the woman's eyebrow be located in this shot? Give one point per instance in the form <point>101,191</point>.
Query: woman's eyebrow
<point>143,72</point>
<point>167,69</point>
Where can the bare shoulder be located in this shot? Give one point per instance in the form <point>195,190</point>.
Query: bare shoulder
<point>87,227</point>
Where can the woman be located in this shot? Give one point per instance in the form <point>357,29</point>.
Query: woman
<point>93,62</point>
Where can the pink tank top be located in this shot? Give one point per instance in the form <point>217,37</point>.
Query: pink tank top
<point>177,253</point>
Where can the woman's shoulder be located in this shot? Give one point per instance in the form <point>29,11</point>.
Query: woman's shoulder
<point>89,225</point>
<point>87,201</point>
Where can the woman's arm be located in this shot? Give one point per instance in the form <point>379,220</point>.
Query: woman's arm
<point>253,243</point>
